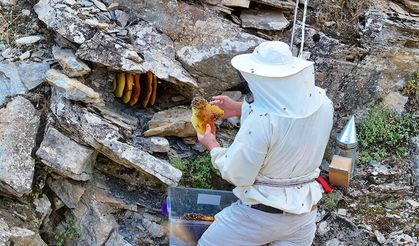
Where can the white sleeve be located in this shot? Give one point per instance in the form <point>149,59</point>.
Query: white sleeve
<point>241,162</point>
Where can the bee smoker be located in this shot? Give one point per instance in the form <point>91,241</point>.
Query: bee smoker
<point>347,143</point>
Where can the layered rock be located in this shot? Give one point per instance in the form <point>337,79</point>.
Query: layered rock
<point>72,66</point>
<point>68,191</point>
<point>91,129</point>
<point>71,88</point>
<point>172,122</point>
<point>19,78</point>
<point>57,151</point>
<point>18,128</point>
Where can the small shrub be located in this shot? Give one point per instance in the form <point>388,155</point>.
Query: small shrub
<point>383,133</point>
<point>412,86</point>
<point>197,171</point>
<point>71,232</point>
<point>331,201</point>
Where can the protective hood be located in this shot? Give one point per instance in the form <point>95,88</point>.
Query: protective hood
<point>294,96</point>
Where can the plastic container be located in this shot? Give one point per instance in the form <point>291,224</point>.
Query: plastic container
<point>181,201</point>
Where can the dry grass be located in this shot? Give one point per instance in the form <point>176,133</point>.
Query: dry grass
<point>13,22</point>
<point>340,18</point>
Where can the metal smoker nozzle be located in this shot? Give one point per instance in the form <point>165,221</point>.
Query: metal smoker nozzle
<point>348,137</point>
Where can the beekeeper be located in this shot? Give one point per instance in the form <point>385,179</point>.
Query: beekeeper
<point>275,157</point>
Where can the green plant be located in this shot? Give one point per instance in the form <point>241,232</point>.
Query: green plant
<point>197,171</point>
<point>383,133</point>
<point>412,86</point>
<point>71,232</point>
<point>331,201</point>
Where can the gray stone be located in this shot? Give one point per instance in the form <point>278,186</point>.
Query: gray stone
<point>175,121</point>
<point>122,18</point>
<point>412,5</point>
<point>413,203</point>
<point>29,40</point>
<point>68,191</point>
<point>156,144</point>
<point>18,78</point>
<point>264,19</point>
<point>277,4</point>
<point>378,168</point>
<point>236,3</point>
<point>26,12</point>
<point>71,88</point>
<point>64,21</point>
<point>400,238</point>
<point>57,151</point>
<point>111,52</point>
<point>396,101</point>
<point>117,240</point>
<point>153,228</point>
<point>342,211</point>
<point>94,220</point>
<point>100,5</point>
<point>203,45</point>
<point>16,235</point>
<point>334,242</point>
<point>414,156</point>
<point>43,206</point>
<point>93,130</point>
<point>25,55</point>
<point>7,2</point>
<point>159,54</point>
<point>18,128</point>
<point>323,228</point>
<point>72,66</point>
<point>380,237</point>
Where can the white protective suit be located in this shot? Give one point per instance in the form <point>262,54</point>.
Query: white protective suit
<point>275,156</point>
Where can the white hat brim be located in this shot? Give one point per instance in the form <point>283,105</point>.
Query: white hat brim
<point>245,63</point>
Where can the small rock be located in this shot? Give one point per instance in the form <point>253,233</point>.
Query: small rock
<point>95,23</point>
<point>330,23</point>
<point>157,144</point>
<point>27,40</point>
<point>72,66</point>
<point>113,6</point>
<point>334,242</point>
<point>122,18</point>
<point>264,20</point>
<point>26,12</point>
<point>153,228</point>
<point>399,238</point>
<point>57,152</point>
<point>380,237</point>
<point>379,168</point>
<point>342,211</point>
<point>7,53</point>
<point>396,101</point>
<point>25,55</point>
<point>100,5</point>
<point>177,98</point>
<point>175,121</point>
<point>32,74</point>
<point>323,228</point>
<point>7,2</point>
<point>71,88</point>
<point>43,206</point>
<point>18,128</point>
<point>68,191</point>
<point>236,3</point>
<point>413,203</point>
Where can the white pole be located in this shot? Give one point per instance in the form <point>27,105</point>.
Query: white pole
<point>303,27</point>
<point>293,25</point>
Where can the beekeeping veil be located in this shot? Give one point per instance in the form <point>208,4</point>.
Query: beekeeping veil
<point>279,82</point>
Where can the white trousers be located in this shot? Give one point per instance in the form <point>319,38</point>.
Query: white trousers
<point>241,225</point>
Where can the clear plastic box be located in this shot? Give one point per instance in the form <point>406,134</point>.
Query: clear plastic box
<point>200,201</point>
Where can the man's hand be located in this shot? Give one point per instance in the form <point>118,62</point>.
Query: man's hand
<point>208,140</point>
<point>231,108</point>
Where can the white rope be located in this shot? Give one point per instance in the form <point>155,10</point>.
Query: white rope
<point>303,27</point>
<point>293,25</point>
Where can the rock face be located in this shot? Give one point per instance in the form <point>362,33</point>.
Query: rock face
<point>103,136</point>
<point>64,20</point>
<point>396,101</point>
<point>18,128</point>
<point>71,88</point>
<point>264,19</point>
<point>112,52</point>
<point>57,151</point>
<point>67,190</point>
<point>18,78</point>
<point>72,66</point>
<point>172,122</point>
